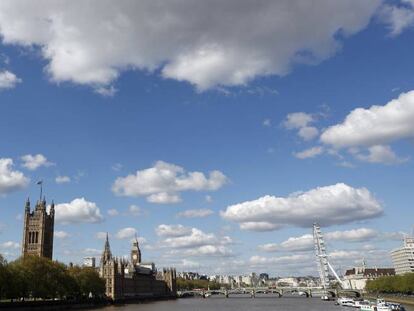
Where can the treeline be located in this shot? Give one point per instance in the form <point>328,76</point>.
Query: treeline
<point>401,284</point>
<point>35,277</point>
<point>183,284</point>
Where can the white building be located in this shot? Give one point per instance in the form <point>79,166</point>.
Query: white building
<point>403,257</point>
<point>89,262</point>
<point>357,277</point>
<point>288,282</point>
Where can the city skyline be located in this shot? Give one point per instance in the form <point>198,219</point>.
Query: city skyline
<point>218,145</point>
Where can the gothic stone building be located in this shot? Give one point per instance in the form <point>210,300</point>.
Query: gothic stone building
<point>128,279</point>
<point>38,230</point>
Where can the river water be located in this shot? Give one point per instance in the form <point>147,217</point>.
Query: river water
<point>238,304</point>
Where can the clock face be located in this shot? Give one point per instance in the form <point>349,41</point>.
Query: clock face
<point>134,256</point>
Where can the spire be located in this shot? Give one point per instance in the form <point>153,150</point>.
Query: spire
<point>52,208</point>
<point>27,206</point>
<point>107,251</point>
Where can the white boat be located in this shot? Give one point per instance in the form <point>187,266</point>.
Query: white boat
<point>346,302</point>
<point>382,305</point>
<point>325,297</point>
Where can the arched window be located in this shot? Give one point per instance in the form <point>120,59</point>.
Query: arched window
<point>37,237</point>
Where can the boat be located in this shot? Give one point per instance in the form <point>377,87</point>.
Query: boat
<point>382,305</point>
<point>325,297</point>
<point>346,302</point>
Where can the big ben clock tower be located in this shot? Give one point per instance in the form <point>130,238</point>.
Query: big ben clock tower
<point>135,253</point>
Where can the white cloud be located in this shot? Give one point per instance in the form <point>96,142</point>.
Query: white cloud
<point>163,182</point>
<point>10,245</point>
<point>336,204</point>
<point>290,259</point>
<point>164,198</point>
<point>61,234</point>
<point>126,233</point>
<point>11,180</point>
<point>135,210</point>
<point>191,238</point>
<point>206,44</point>
<point>208,198</point>
<point>298,120</point>
<point>269,247</point>
<point>301,121</point>
<point>195,213</point>
<point>33,162</point>
<point>108,91</point>
<point>113,212</point>
<point>209,250</point>
<point>398,18</point>
<point>8,80</point>
<point>377,125</point>
<point>267,123</point>
<point>308,133</point>
<point>62,179</point>
<point>172,230</point>
<point>380,154</point>
<point>354,235</point>
<point>259,226</point>
<point>309,153</point>
<point>78,211</point>
<point>305,242</point>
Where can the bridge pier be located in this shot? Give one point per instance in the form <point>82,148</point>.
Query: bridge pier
<point>253,294</point>
<point>226,293</point>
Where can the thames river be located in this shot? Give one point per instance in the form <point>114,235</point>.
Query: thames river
<point>237,304</point>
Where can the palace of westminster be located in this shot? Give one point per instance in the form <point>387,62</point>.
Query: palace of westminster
<point>123,278</point>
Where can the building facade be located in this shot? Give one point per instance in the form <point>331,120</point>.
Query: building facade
<point>128,279</point>
<point>356,278</point>
<point>403,257</point>
<point>38,230</point>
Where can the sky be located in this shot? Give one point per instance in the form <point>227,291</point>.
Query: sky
<point>218,132</point>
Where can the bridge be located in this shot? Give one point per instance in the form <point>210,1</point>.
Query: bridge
<point>276,291</point>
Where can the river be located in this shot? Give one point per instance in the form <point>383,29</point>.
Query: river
<point>238,304</point>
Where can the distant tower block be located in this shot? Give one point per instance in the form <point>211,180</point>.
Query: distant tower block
<point>38,230</point>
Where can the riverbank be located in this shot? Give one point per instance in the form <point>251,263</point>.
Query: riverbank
<point>405,300</point>
<point>52,305</point>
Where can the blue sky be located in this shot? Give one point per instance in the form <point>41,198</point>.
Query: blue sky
<point>117,128</point>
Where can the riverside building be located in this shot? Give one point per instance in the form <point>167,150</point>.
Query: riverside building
<point>403,257</point>
<point>131,279</point>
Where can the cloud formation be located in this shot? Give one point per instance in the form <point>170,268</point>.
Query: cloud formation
<point>8,80</point>
<point>62,179</point>
<point>336,204</point>
<point>33,162</point>
<point>398,17</point>
<point>185,241</point>
<point>301,121</point>
<point>172,230</point>
<point>126,233</point>
<point>163,183</point>
<point>305,242</point>
<point>205,43</point>
<point>11,180</point>
<point>309,153</point>
<point>78,211</point>
<point>377,125</point>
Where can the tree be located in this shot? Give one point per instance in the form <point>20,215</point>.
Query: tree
<point>88,281</point>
